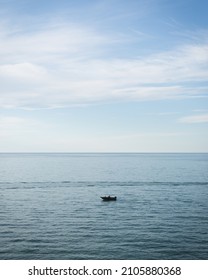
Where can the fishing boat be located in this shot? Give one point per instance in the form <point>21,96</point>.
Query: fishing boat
<point>108,198</point>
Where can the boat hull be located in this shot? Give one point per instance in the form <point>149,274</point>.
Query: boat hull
<point>108,198</point>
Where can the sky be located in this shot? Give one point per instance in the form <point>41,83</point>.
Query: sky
<point>103,76</point>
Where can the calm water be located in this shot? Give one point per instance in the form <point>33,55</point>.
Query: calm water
<point>50,206</point>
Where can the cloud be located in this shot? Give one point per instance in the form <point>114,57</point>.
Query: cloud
<point>63,64</point>
<point>41,42</point>
<point>25,71</point>
<point>195,119</point>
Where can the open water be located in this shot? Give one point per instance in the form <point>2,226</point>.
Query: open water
<point>50,206</point>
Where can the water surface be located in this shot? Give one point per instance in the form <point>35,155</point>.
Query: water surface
<point>50,206</point>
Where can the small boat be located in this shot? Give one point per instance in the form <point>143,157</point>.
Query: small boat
<point>108,198</point>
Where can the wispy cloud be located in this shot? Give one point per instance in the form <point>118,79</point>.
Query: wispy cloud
<point>42,43</point>
<point>195,119</point>
<point>63,64</point>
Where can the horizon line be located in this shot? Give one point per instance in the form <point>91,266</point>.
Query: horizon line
<point>51,152</point>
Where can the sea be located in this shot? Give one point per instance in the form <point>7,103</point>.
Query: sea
<point>50,206</point>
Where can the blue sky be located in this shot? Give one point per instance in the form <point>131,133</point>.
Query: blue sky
<point>103,76</point>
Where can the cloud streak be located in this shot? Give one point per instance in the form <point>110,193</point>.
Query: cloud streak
<point>195,119</point>
<point>61,65</point>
